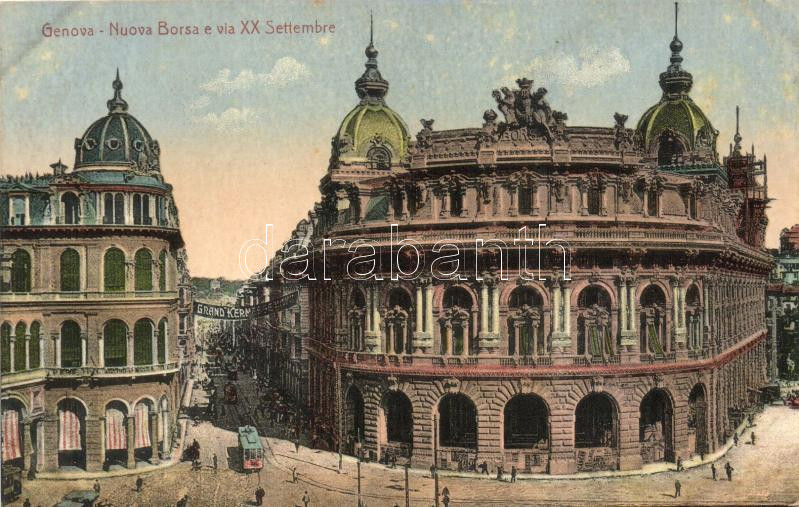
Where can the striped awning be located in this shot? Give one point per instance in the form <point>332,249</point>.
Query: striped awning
<point>116,436</point>
<point>142,425</point>
<point>69,430</point>
<point>11,439</point>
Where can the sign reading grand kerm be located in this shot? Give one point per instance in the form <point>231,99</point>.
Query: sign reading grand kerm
<point>238,313</point>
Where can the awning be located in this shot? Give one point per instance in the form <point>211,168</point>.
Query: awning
<point>69,429</point>
<point>142,426</point>
<point>116,436</point>
<point>11,439</point>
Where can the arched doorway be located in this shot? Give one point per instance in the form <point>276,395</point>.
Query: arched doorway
<point>526,433</point>
<point>116,435</point>
<point>71,434</point>
<point>353,420</point>
<point>596,433</point>
<point>655,426</point>
<point>396,429</point>
<point>697,420</point>
<point>457,432</point>
<point>13,413</point>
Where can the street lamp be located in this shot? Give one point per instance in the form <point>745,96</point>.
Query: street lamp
<point>360,452</point>
<point>407,491</point>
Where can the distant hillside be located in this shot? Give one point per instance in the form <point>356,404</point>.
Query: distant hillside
<point>221,287</point>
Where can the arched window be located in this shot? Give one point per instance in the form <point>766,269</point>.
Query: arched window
<point>70,345</point>
<point>595,422</point>
<point>670,150</point>
<point>379,158</point>
<point>526,418</point>
<point>143,342</point>
<point>20,271</point>
<point>593,321</point>
<point>71,433</point>
<point>108,208</point>
<point>354,417</point>
<point>525,323</point>
<point>144,270</point>
<point>147,219</point>
<point>137,216</point>
<point>397,317</point>
<point>162,330</point>
<point>455,332</point>
<point>19,346</point>
<point>70,204</point>
<point>115,343</point>
<point>655,427</point>
<point>357,316</point>
<point>5,347</point>
<point>693,317</point>
<point>35,346</point>
<point>70,271</point>
<point>654,337</point>
<point>457,421</point>
<point>162,260</point>
<point>114,270</point>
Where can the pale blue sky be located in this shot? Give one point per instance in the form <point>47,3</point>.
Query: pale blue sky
<point>247,146</point>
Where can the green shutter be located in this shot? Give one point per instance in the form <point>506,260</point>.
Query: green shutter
<point>5,348</point>
<point>144,270</point>
<point>20,271</point>
<point>70,271</point>
<point>115,346</point>
<point>35,353</point>
<point>162,273</point>
<point>143,343</point>
<point>162,342</point>
<point>70,345</point>
<point>19,347</point>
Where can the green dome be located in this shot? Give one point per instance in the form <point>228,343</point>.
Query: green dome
<point>117,139</point>
<point>372,133</point>
<point>372,127</point>
<point>680,116</point>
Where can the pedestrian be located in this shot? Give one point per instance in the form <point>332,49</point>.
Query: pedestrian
<point>26,503</point>
<point>259,496</point>
<point>729,469</point>
<point>394,459</point>
<point>752,437</point>
<point>680,468</point>
<point>294,475</point>
<point>513,472</point>
<point>139,484</point>
<point>702,456</point>
<point>216,463</point>
<point>677,487</point>
<point>183,502</point>
<point>735,438</point>
<point>445,494</point>
<point>713,471</point>
<point>96,487</point>
<point>297,445</point>
<point>432,470</point>
<point>499,473</point>
<point>306,499</point>
<point>484,468</point>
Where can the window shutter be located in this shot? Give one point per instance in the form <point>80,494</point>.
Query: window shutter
<point>115,344</point>
<point>144,270</point>
<point>114,271</point>
<point>70,271</point>
<point>70,345</point>
<point>143,343</point>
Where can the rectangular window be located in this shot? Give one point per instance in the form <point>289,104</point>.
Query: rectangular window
<point>147,219</point>
<point>18,215</point>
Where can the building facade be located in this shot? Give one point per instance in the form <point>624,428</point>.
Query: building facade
<point>632,330</point>
<point>783,306</point>
<point>96,330</point>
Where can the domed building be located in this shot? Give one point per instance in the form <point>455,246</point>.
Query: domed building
<point>631,330</point>
<point>96,331</point>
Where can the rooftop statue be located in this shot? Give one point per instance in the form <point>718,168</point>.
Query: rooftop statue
<point>526,109</point>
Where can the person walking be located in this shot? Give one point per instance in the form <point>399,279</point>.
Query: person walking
<point>96,487</point>
<point>752,438</point>
<point>306,499</point>
<point>677,488</point>
<point>259,496</point>
<point>484,468</point>
<point>729,469</point>
<point>294,475</point>
<point>139,484</point>
<point>215,463</point>
<point>713,471</point>
<point>26,503</point>
<point>499,473</point>
<point>735,438</point>
<point>680,468</point>
<point>183,502</point>
<point>297,445</point>
<point>513,472</point>
<point>445,496</point>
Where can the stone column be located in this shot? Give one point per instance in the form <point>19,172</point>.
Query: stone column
<point>100,350</point>
<point>83,343</point>
<point>129,336</point>
<point>428,301</point>
<point>11,353</point>
<point>57,350</point>
<point>419,307</point>
<point>623,306</point>
<point>41,349</point>
<point>633,312</point>
<point>556,321</point>
<point>28,352</point>
<point>154,345</point>
<point>130,430</point>
<point>512,192</point>
<point>495,311</point>
<point>445,204</point>
<point>49,458</point>
<point>404,198</point>
<point>154,437</point>
<point>483,309</point>
<point>567,309</point>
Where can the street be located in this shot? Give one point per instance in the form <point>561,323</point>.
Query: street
<point>753,482</point>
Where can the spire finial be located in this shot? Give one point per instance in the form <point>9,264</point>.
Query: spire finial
<point>737,138</point>
<point>371,28</point>
<point>676,10</point>
<point>117,104</point>
<point>371,86</point>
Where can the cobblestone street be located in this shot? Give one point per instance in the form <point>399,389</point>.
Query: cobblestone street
<point>777,441</point>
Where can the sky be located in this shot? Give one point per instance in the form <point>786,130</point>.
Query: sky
<point>244,121</point>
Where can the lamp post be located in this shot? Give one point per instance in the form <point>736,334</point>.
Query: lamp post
<point>407,491</point>
<point>360,451</point>
<point>435,456</point>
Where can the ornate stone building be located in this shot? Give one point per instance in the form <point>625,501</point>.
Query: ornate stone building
<point>96,326</point>
<point>632,329</point>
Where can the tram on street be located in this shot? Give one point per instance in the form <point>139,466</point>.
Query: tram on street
<point>250,448</point>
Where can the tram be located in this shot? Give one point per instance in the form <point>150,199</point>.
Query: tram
<point>252,452</point>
